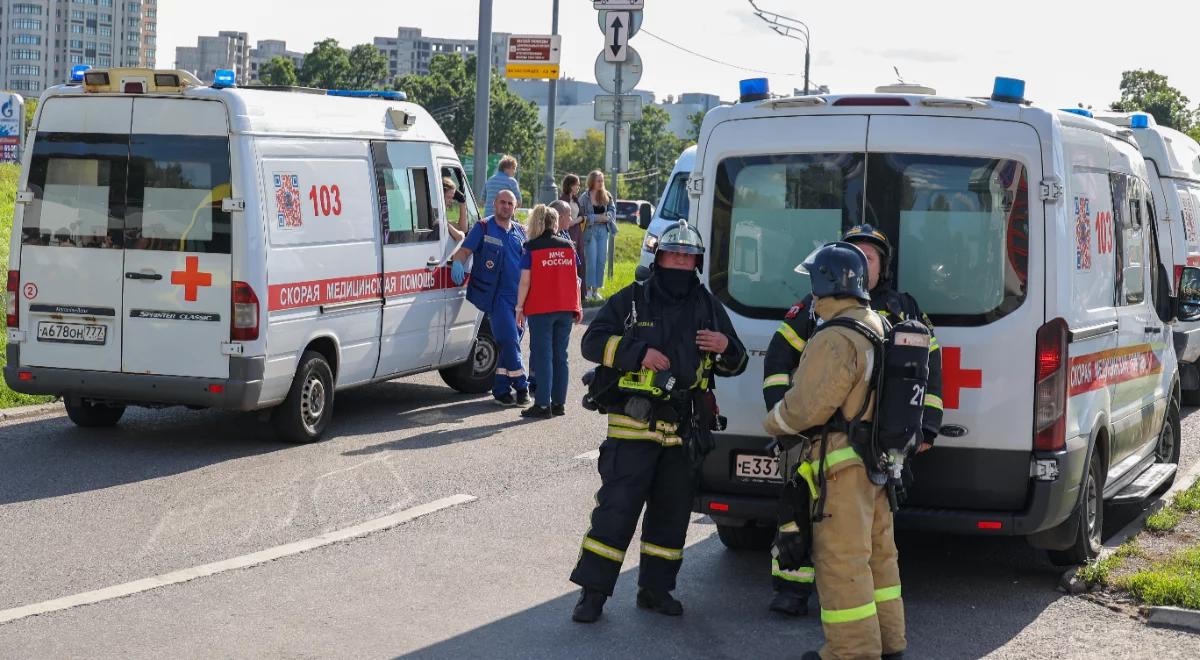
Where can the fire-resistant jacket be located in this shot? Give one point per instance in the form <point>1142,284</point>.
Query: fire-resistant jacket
<point>789,343</point>
<point>834,374</point>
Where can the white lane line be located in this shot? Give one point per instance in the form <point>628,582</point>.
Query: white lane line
<point>244,561</point>
<point>589,456</point>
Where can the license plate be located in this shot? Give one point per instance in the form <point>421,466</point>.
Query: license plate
<point>72,333</point>
<point>756,467</point>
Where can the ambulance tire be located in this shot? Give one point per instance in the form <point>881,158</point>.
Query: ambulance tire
<point>746,537</point>
<point>1087,542</point>
<point>91,415</point>
<point>1167,450</point>
<point>478,373</point>
<point>304,414</point>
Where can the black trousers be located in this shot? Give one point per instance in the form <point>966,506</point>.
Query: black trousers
<point>633,474</point>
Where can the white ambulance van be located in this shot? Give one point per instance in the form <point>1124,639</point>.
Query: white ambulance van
<point>179,244</point>
<point>1026,235</point>
<point>672,208</point>
<point>1173,167</point>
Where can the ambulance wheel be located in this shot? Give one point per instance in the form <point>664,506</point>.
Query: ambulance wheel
<point>304,414</point>
<point>476,375</point>
<point>1167,449</point>
<point>746,537</point>
<point>1089,520</point>
<point>89,414</point>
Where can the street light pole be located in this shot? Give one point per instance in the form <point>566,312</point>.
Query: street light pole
<point>790,28</point>
<point>483,93</point>
<point>549,188</point>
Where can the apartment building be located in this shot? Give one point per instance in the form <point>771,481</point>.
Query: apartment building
<point>268,49</point>
<point>410,52</point>
<point>228,50</point>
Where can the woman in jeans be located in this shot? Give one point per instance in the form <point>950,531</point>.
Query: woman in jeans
<point>599,211</point>
<point>549,298</point>
<point>569,193</point>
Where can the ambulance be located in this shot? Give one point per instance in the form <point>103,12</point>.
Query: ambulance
<point>1173,167</point>
<point>245,249</point>
<point>1029,238</point>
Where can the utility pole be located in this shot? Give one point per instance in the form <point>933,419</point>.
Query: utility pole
<point>549,187</point>
<point>483,93</point>
<point>792,29</point>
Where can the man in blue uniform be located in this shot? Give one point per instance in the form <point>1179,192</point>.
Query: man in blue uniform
<point>497,243</point>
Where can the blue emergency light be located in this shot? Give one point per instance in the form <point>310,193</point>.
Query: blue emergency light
<point>1082,112</point>
<point>224,78</point>
<point>1008,90</point>
<point>77,72</point>
<point>1139,120</point>
<point>390,95</point>
<point>754,89</point>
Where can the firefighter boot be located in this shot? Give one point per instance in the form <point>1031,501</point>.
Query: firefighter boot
<point>589,607</point>
<point>659,601</point>
<point>789,603</point>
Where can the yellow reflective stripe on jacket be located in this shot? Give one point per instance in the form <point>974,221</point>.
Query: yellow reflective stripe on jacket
<point>887,593</point>
<point>789,527</point>
<point>777,380</point>
<point>624,421</point>
<point>659,551</point>
<point>849,615</point>
<point>807,470</point>
<point>933,345</point>
<point>628,428</point>
<point>804,574</point>
<point>933,401</point>
<point>606,551</point>
<point>610,350</point>
<point>792,338</point>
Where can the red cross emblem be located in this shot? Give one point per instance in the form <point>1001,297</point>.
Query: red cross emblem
<point>191,278</point>
<point>955,378</point>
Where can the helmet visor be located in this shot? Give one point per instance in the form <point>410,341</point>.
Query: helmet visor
<point>808,261</point>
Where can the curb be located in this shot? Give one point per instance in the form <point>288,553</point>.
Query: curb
<point>25,412</point>
<point>1175,617</point>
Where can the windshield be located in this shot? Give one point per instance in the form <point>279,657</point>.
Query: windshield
<point>675,202</point>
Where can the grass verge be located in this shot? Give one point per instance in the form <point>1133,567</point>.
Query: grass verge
<point>626,255</point>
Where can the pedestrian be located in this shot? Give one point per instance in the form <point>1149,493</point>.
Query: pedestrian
<point>549,299</point>
<point>569,193</point>
<point>456,209</point>
<point>505,178</point>
<point>599,212</point>
<point>497,243</point>
<point>853,548</point>
<point>793,588</point>
<point>660,343</point>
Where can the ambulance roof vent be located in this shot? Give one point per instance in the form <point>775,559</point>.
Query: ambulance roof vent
<point>905,88</point>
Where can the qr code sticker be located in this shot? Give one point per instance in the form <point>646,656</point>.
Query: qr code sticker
<point>287,200</point>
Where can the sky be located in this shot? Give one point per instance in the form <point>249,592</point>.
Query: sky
<point>1068,53</point>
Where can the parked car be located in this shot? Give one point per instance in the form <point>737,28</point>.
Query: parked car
<point>633,210</point>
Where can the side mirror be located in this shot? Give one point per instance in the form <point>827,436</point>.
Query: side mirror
<point>1187,303</point>
<point>645,215</point>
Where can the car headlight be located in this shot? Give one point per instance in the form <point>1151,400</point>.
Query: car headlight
<point>650,243</point>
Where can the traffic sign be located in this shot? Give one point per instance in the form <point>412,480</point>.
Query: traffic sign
<point>612,132</point>
<point>631,71</point>
<point>616,36</point>
<point>605,107</point>
<point>533,56</point>
<point>634,24</point>
<point>620,5</point>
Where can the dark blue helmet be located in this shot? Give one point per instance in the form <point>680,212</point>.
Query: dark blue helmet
<point>866,233</point>
<point>837,270</point>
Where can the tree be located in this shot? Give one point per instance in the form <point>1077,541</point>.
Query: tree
<point>30,108</point>
<point>326,67</point>
<point>653,150</point>
<point>578,156</point>
<point>1148,91</point>
<point>368,67</point>
<point>278,71</point>
<point>695,120</point>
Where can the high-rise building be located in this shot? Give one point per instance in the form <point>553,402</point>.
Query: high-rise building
<point>269,49</point>
<point>410,53</point>
<point>228,50</point>
<point>40,40</point>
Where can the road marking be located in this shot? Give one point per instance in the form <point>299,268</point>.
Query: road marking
<point>244,561</point>
<point>589,456</point>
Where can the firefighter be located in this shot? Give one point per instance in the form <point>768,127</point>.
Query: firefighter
<point>854,552</point>
<point>663,341</point>
<point>792,588</point>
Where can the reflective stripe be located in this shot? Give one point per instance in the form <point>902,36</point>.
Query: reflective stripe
<point>808,473</point>
<point>659,551</point>
<point>511,374</point>
<point>804,574</point>
<point>626,422</point>
<point>663,439</point>
<point>789,527</point>
<point>933,401</point>
<point>848,615</point>
<point>779,420</point>
<point>933,345</point>
<point>834,458</point>
<point>792,338</point>
<point>777,380</point>
<point>606,551</point>
<point>887,593</point>
<point>610,350</point>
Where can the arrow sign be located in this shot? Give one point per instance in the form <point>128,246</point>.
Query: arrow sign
<point>616,36</point>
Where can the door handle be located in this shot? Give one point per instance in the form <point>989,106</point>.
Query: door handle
<point>143,276</point>
<point>433,263</point>
<point>1153,330</point>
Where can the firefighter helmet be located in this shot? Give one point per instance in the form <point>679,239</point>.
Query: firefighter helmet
<point>837,270</point>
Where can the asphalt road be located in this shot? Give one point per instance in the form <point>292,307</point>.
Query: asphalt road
<point>171,489</point>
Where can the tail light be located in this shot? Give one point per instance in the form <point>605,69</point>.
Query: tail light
<point>1050,387</point>
<point>245,313</point>
<point>873,101</point>
<point>14,286</point>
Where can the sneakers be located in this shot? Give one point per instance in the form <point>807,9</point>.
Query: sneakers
<point>659,601</point>
<point>589,607</point>
<point>537,412</point>
<point>506,400</point>
<point>558,409</point>
<point>522,398</point>
<point>789,604</point>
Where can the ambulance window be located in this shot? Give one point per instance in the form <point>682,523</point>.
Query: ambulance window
<point>960,230</point>
<point>405,204</point>
<point>675,202</point>
<point>768,213</point>
<point>460,180</point>
<point>176,184</point>
<point>78,183</point>
<point>1129,234</point>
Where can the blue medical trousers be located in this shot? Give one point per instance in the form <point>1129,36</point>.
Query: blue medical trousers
<point>510,369</point>
<point>549,338</point>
